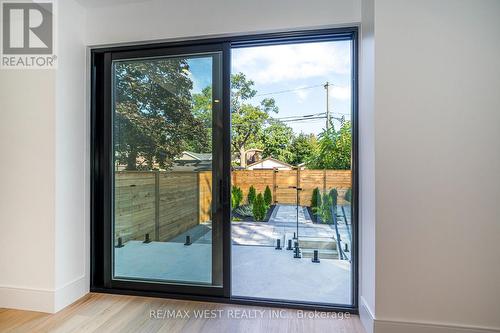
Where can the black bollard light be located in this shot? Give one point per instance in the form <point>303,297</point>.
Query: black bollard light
<point>315,257</point>
<point>188,240</point>
<point>294,235</point>
<point>289,247</point>
<point>120,242</point>
<point>346,248</point>
<point>278,244</point>
<point>146,239</point>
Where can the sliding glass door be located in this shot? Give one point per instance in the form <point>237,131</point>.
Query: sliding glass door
<point>292,178</point>
<point>227,181</point>
<point>164,125</point>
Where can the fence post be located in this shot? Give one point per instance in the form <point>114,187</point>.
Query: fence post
<point>199,195</point>
<point>157,205</point>
<point>298,185</point>
<point>324,180</point>
<point>274,185</point>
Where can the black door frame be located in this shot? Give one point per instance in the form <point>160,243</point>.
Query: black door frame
<point>101,165</point>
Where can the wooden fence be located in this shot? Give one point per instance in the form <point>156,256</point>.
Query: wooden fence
<point>166,204</point>
<point>282,183</point>
<point>163,204</point>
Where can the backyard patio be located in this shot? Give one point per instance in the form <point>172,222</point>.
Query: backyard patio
<point>258,269</point>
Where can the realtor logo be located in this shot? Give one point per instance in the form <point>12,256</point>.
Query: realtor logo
<point>27,34</point>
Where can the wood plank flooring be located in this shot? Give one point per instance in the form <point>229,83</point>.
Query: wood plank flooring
<point>116,313</point>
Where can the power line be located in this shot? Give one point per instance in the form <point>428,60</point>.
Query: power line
<point>289,90</point>
<point>300,115</point>
<point>303,119</point>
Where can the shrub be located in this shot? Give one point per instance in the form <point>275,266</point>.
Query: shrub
<point>334,196</point>
<point>348,195</point>
<point>251,195</point>
<point>259,208</point>
<point>236,196</point>
<point>316,199</point>
<point>323,210</point>
<point>268,196</point>
<point>244,211</point>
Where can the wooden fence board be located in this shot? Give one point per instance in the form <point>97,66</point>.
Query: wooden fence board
<point>185,198</point>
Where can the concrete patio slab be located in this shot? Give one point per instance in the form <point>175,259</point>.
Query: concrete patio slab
<point>264,272</point>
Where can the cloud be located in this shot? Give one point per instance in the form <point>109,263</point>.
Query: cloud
<point>277,63</point>
<point>302,95</point>
<point>340,92</point>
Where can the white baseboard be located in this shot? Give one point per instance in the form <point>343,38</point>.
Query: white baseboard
<point>391,326</point>
<point>29,299</point>
<point>70,292</point>
<point>366,316</point>
<point>377,325</point>
<point>43,300</point>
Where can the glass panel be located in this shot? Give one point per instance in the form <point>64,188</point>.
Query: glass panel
<point>163,205</point>
<point>291,177</point>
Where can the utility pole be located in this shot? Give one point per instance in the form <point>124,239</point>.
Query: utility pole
<point>327,86</point>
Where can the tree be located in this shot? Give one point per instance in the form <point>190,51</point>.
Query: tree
<point>316,198</point>
<point>268,196</point>
<point>202,110</point>
<point>251,195</point>
<point>348,195</point>
<point>334,196</point>
<point>334,149</point>
<point>276,139</point>
<point>153,118</point>
<point>302,148</point>
<point>236,196</point>
<point>247,119</point>
<point>323,210</point>
<point>259,208</point>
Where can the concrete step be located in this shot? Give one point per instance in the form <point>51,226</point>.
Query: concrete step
<point>323,254</point>
<point>317,243</point>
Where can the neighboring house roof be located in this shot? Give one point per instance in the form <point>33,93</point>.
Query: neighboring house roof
<point>193,165</point>
<point>197,156</point>
<point>277,163</point>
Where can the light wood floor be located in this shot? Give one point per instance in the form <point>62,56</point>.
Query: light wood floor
<point>116,313</point>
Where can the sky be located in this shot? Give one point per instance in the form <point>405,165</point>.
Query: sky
<point>294,75</point>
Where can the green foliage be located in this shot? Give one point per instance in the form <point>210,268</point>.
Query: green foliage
<point>236,196</point>
<point>302,148</point>
<point>323,210</point>
<point>279,141</point>
<point>334,149</point>
<point>245,211</point>
<point>152,124</point>
<point>259,208</point>
<point>276,139</point>
<point>202,110</point>
<point>268,196</point>
<point>251,195</point>
<point>316,198</point>
<point>348,195</point>
<point>247,119</point>
<point>333,196</point>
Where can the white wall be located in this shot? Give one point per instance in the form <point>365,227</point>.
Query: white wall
<point>72,249</point>
<point>44,196</point>
<point>27,201</point>
<point>160,19</point>
<point>367,168</point>
<point>437,163</point>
